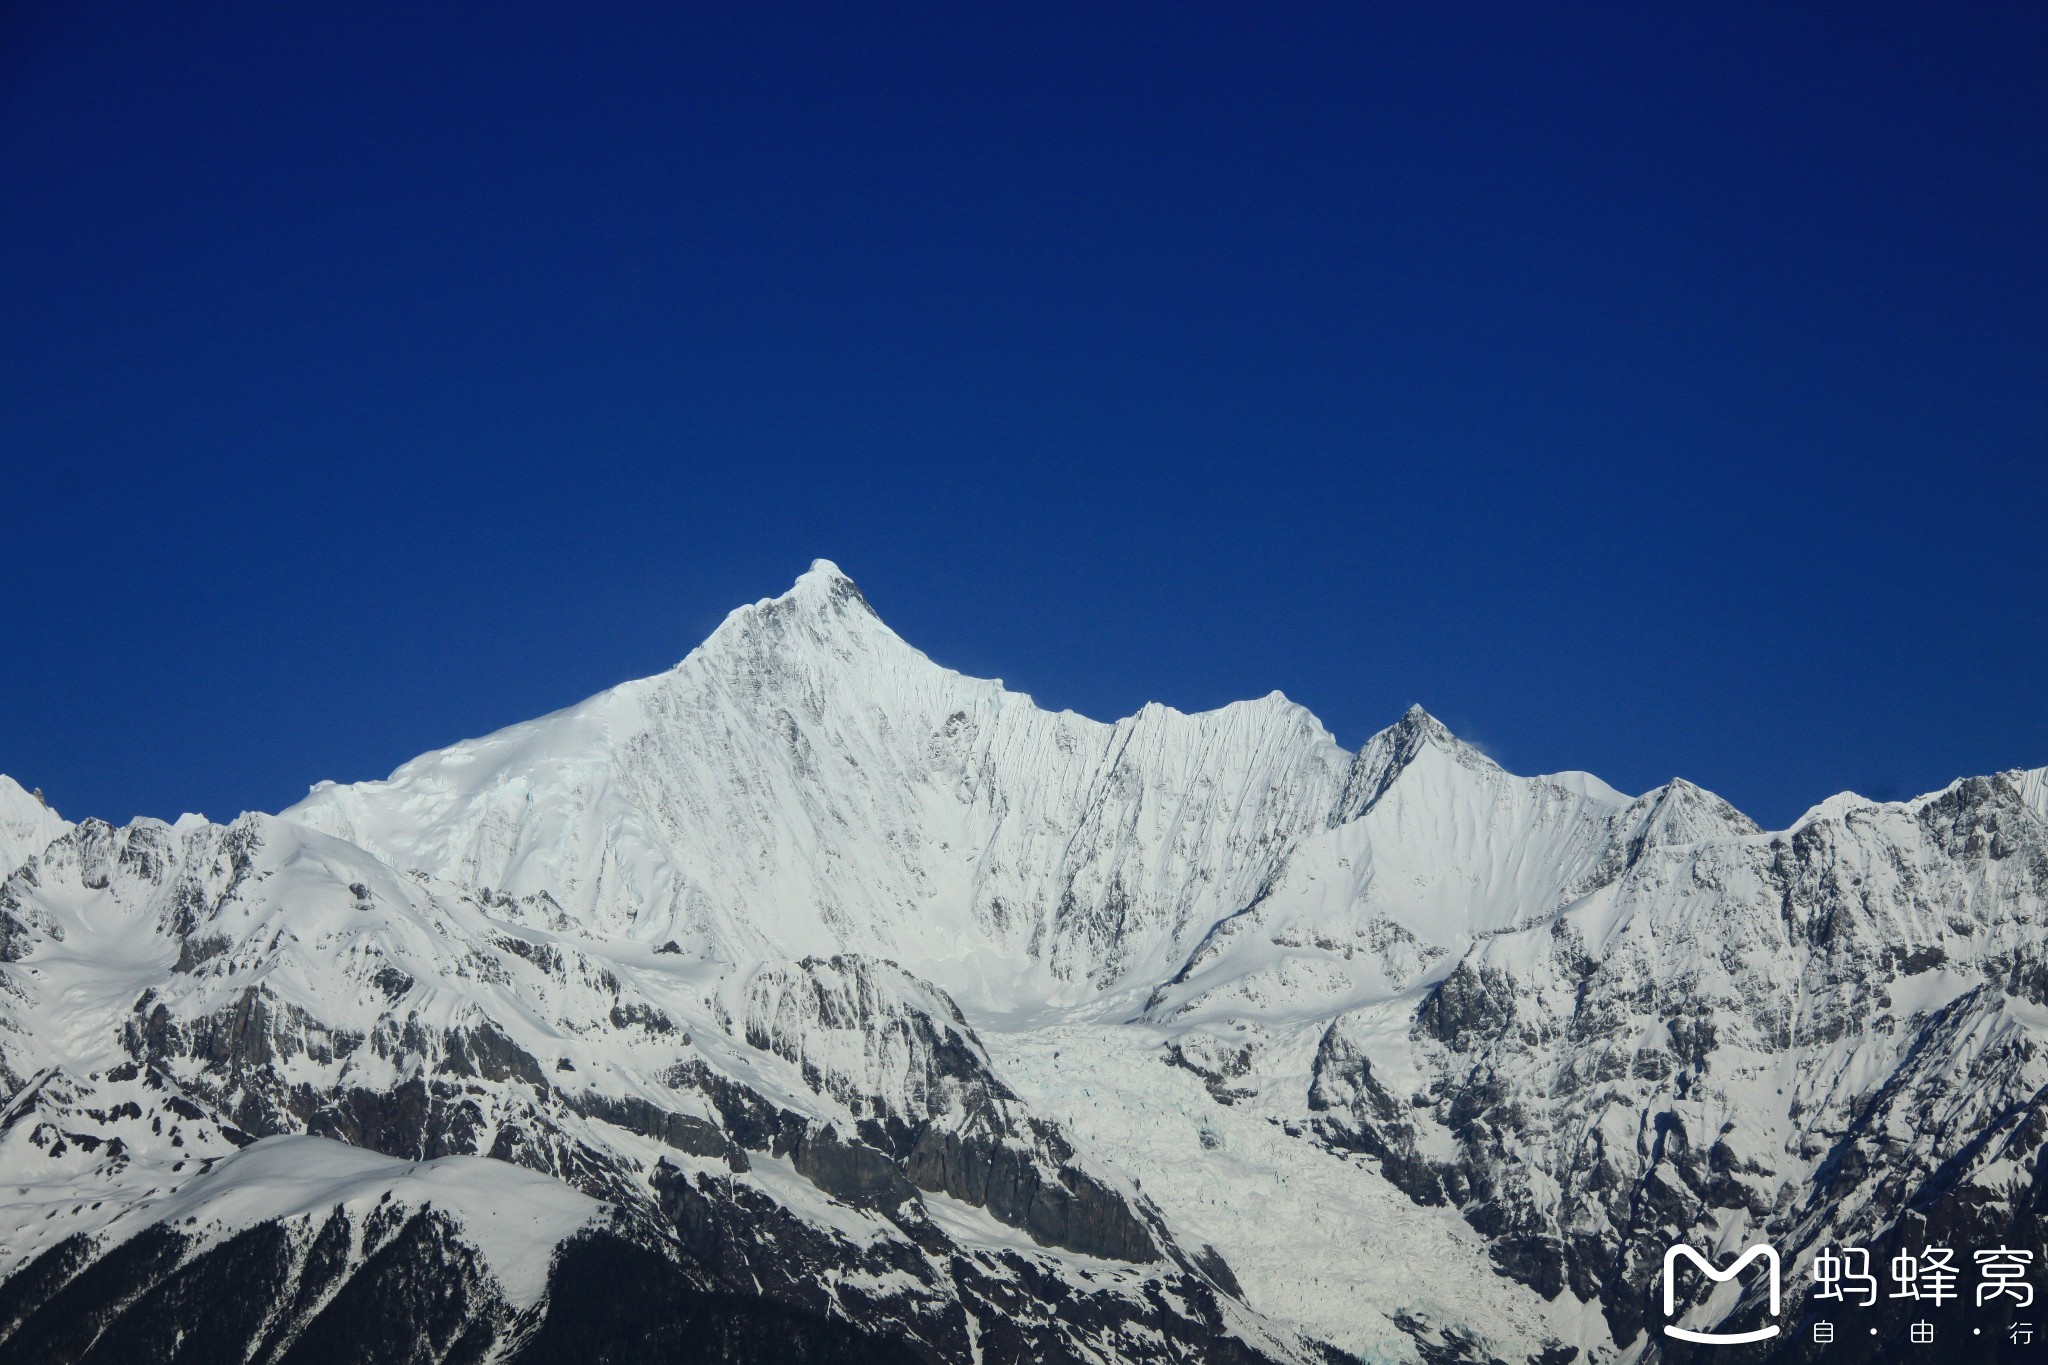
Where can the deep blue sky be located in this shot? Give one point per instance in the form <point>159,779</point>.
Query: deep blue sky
<point>1643,388</point>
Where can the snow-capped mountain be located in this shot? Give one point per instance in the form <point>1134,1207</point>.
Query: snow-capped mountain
<point>807,783</point>
<point>813,1001</point>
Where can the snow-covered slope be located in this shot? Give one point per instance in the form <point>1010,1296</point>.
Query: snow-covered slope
<point>27,824</point>
<point>825,1130</point>
<point>813,972</point>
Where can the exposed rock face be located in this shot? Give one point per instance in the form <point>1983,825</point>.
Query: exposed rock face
<point>410,1292</point>
<point>1809,1035</point>
<point>842,1075</point>
<point>820,1003</point>
<point>1071,1209</point>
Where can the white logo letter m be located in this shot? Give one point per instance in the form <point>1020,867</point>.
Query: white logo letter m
<point>1770,1259</point>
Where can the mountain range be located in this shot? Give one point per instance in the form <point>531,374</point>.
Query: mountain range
<point>811,1001</point>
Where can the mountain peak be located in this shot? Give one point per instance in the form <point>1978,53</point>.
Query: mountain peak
<point>825,570</point>
<point>27,824</point>
<point>823,604</point>
<point>826,585</point>
<point>1417,721</point>
<point>1683,812</point>
<point>1387,755</point>
<point>1416,729</point>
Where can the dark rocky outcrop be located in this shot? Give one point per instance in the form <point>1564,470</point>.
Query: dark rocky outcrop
<point>684,1132</point>
<point>611,1302</point>
<point>850,1171</point>
<point>418,1298</point>
<point>1071,1210</point>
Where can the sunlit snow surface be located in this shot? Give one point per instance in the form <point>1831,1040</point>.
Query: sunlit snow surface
<point>1314,1237</point>
<point>26,825</point>
<point>516,1218</point>
<point>1224,955</point>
